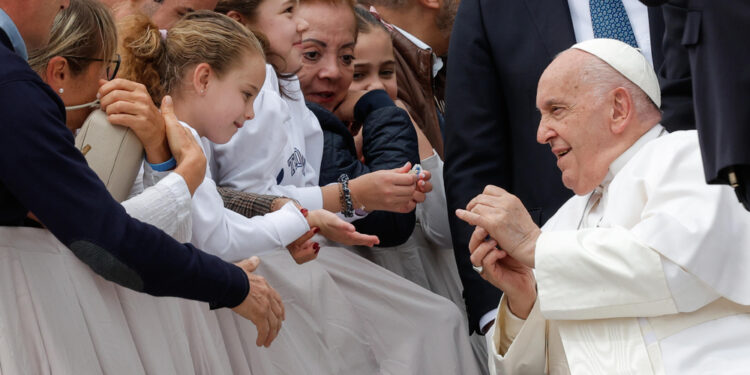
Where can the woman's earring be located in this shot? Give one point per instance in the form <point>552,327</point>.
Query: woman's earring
<point>60,90</point>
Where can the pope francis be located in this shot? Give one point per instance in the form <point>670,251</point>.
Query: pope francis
<point>647,269</point>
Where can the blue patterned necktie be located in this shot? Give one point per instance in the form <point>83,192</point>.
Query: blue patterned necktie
<point>609,19</point>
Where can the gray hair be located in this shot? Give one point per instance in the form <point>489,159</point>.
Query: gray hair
<point>603,78</point>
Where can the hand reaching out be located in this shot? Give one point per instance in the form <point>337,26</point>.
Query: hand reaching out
<point>262,306</point>
<point>514,278</point>
<point>387,190</point>
<point>303,249</point>
<point>506,220</point>
<point>337,230</point>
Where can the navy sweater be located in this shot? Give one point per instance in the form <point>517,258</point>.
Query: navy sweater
<point>389,141</point>
<point>41,171</point>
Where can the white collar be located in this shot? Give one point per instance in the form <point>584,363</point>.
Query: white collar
<point>625,157</point>
<point>437,61</point>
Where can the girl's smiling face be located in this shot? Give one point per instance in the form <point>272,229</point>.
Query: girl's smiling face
<point>374,63</point>
<point>222,104</point>
<point>280,22</point>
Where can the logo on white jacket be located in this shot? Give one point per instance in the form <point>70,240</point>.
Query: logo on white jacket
<point>297,160</point>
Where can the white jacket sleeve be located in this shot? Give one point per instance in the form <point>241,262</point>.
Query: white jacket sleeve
<point>517,346</point>
<point>234,237</point>
<point>165,205</point>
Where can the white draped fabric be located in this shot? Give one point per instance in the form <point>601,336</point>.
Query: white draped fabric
<point>647,275</point>
<point>426,258</point>
<point>58,317</point>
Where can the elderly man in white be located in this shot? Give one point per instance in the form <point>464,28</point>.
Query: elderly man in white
<point>647,269</point>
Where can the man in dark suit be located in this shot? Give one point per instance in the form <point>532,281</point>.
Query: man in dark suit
<point>498,52</point>
<point>707,54</point>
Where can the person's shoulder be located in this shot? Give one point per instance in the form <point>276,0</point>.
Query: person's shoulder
<point>23,94</point>
<point>674,145</point>
<point>673,154</point>
<point>13,68</point>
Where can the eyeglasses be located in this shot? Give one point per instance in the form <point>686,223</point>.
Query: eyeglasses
<point>112,65</point>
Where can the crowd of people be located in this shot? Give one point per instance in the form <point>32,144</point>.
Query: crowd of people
<point>341,187</point>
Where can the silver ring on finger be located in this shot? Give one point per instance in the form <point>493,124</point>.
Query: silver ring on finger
<point>477,268</point>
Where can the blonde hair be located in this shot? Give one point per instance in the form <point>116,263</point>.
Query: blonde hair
<point>199,37</point>
<point>83,31</point>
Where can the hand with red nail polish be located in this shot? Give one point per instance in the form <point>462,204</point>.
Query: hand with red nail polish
<point>302,250</point>
<point>337,230</point>
<point>304,211</point>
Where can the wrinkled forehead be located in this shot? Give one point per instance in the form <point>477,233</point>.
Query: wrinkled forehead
<point>330,18</point>
<point>562,77</point>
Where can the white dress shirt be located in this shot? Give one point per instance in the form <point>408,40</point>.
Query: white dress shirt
<point>165,205</point>
<point>580,14</point>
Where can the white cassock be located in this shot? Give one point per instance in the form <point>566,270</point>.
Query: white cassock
<point>650,279</point>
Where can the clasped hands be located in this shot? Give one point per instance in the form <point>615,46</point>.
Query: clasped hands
<point>503,244</point>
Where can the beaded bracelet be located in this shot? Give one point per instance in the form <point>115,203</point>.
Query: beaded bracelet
<point>346,196</point>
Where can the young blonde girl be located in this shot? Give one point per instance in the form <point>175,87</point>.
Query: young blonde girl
<point>214,69</point>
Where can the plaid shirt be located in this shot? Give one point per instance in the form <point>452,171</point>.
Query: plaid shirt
<point>246,204</point>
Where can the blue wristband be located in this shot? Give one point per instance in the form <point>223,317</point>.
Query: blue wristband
<point>163,167</point>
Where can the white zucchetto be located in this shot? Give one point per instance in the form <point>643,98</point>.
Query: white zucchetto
<point>628,61</point>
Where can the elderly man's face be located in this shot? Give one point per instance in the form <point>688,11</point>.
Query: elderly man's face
<point>574,123</point>
<point>172,10</point>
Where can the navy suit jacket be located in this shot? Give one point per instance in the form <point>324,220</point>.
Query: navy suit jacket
<point>498,51</point>
<point>706,56</point>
